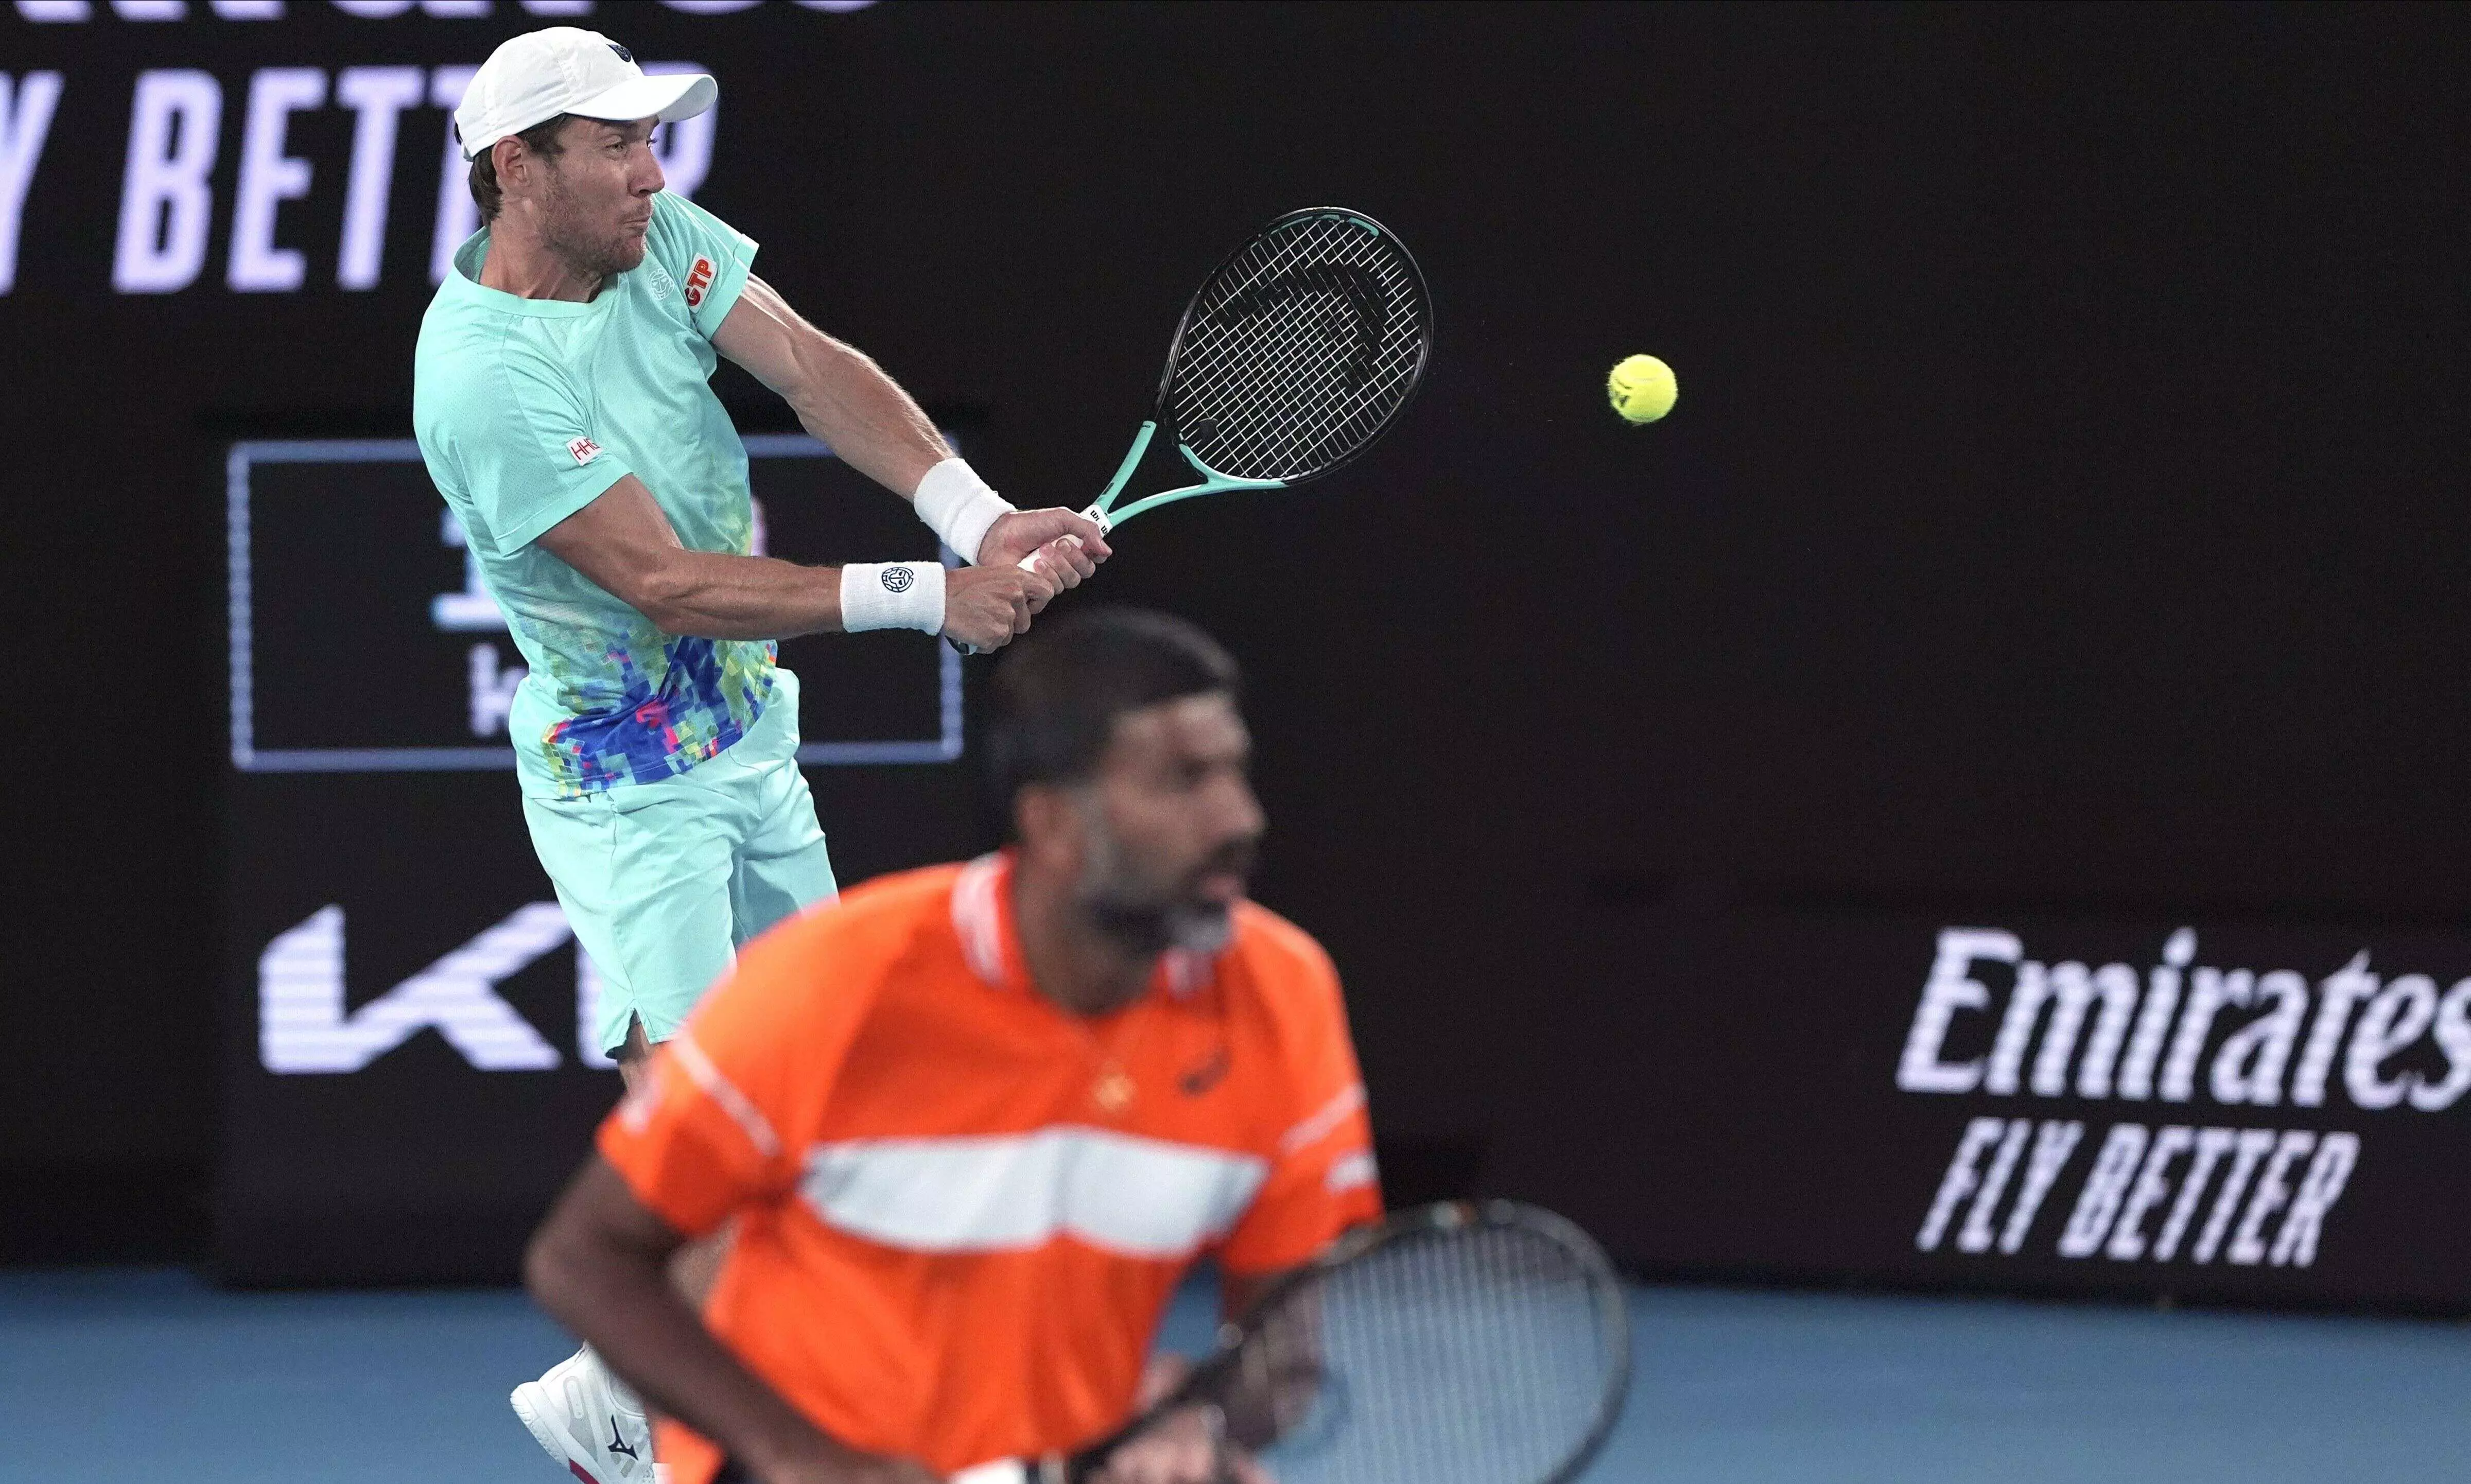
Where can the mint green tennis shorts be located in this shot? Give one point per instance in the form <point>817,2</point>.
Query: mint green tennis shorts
<point>664,881</point>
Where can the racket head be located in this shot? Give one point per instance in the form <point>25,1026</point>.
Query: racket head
<point>1300,349</point>
<point>1454,1344</point>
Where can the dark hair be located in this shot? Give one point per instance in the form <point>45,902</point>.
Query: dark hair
<point>541,139</point>
<point>1059,690</point>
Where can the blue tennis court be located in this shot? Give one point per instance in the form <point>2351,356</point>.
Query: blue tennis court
<point>119,1375</point>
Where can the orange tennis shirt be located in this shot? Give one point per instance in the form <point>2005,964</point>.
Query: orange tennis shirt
<point>962,1209</point>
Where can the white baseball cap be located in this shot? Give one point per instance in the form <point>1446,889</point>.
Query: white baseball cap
<point>565,69</point>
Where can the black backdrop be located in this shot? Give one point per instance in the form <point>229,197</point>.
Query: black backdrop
<point>2059,533</point>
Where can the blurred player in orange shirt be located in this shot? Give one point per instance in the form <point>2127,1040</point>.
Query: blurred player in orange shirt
<point>975,1122</point>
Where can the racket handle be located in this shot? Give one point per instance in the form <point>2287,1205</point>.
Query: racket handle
<point>1094,515</point>
<point>1029,563</point>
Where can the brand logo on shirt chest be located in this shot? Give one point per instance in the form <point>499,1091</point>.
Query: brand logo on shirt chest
<point>1115,1089</point>
<point>1202,1079</point>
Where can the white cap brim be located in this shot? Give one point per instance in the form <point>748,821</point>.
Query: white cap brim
<point>668,96</point>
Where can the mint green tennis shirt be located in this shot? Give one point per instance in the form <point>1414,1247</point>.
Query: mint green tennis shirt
<point>527,411</point>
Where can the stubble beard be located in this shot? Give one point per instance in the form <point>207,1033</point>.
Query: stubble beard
<point>1142,915</point>
<point>599,256</point>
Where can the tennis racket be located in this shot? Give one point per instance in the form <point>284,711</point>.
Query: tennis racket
<point>1453,1344</point>
<point>1298,352</point>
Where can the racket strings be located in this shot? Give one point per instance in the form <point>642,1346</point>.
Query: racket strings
<point>1299,350</point>
<point>1474,1357</point>
<point>1300,377</point>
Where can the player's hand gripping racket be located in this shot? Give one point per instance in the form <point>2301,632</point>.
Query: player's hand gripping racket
<point>1299,351</point>
<point>1453,1344</point>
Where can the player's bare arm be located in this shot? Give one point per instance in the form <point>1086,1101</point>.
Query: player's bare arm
<point>624,542</point>
<point>599,1263</point>
<point>846,400</point>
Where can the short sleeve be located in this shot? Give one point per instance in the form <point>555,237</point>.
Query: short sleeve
<point>526,450</point>
<point>729,1105</point>
<point>1322,1179</point>
<point>708,258</point>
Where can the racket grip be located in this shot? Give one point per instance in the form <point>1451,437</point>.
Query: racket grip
<point>1094,515</point>
<point>1029,563</point>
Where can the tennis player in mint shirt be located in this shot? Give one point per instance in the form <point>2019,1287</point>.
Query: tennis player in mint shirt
<point>563,404</point>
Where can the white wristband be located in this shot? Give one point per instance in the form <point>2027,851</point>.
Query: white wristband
<point>957,505</point>
<point>892,595</point>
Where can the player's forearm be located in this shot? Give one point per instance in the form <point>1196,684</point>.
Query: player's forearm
<point>607,1281</point>
<point>846,400</point>
<point>712,595</point>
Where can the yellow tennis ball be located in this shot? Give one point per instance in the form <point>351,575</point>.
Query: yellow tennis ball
<point>1642,388</point>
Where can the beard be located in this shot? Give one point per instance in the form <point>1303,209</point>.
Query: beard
<point>1149,915</point>
<point>588,247</point>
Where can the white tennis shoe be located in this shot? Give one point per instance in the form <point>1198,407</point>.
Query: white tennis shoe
<point>586,1419</point>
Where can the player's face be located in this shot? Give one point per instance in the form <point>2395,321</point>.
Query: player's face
<point>1170,825</point>
<point>597,197</point>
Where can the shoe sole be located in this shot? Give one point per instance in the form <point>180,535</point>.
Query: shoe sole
<point>543,1434</point>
